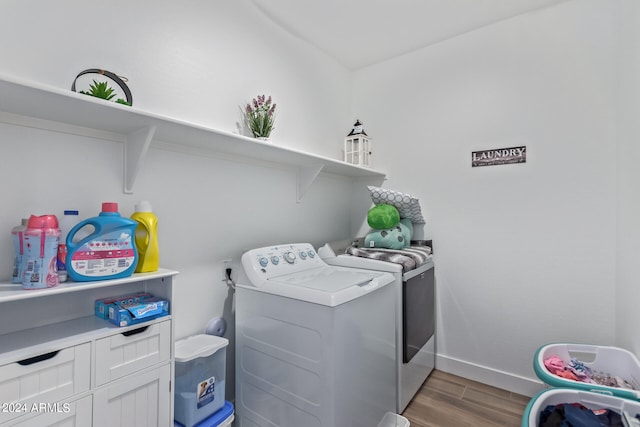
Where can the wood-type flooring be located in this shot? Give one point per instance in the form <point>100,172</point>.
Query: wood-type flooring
<point>447,400</point>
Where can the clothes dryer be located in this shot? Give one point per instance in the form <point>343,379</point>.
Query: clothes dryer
<point>414,289</point>
<point>315,344</point>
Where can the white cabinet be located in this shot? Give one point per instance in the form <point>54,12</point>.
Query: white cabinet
<point>61,365</point>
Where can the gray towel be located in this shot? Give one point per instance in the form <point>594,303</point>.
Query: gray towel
<point>410,258</point>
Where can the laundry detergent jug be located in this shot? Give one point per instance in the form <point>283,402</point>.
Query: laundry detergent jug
<point>106,253</point>
<point>146,237</point>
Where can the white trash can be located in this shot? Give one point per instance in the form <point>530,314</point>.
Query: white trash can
<point>394,420</point>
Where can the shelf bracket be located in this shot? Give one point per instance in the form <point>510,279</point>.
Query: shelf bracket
<point>136,146</point>
<point>305,176</point>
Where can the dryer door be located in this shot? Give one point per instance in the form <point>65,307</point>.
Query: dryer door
<point>418,313</point>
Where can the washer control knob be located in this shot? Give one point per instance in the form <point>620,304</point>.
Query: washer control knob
<point>312,254</point>
<point>263,261</point>
<point>290,257</point>
<point>302,255</point>
<point>275,260</point>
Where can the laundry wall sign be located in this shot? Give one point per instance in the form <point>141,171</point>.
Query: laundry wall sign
<point>499,156</point>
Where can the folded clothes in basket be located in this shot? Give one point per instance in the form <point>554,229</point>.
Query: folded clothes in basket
<point>577,371</point>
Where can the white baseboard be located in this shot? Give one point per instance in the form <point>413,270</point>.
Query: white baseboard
<point>504,380</point>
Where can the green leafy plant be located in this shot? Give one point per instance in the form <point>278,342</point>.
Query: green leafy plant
<point>104,91</point>
<point>260,116</point>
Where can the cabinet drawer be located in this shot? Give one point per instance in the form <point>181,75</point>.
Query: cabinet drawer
<point>125,353</point>
<point>76,413</point>
<point>46,378</point>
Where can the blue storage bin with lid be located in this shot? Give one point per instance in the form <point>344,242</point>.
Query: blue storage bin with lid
<point>603,362</point>
<point>200,369</point>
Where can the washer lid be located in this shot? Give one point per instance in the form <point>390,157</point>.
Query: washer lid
<point>326,279</point>
<point>328,285</point>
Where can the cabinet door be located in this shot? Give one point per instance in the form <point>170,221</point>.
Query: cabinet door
<point>125,353</point>
<point>72,414</point>
<point>141,400</point>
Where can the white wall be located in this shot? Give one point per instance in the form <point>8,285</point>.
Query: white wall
<point>195,60</point>
<point>628,201</point>
<point>198,61</point>
<point>525,254</point>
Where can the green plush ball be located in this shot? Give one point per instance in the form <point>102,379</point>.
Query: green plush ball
<point>383,216</point>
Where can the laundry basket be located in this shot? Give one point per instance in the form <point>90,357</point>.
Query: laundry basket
<point>603,361</point>
<point>628,409</point>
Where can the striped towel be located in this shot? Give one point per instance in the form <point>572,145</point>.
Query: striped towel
<point>410,258</point>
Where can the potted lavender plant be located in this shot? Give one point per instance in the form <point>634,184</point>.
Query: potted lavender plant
<point>260,116</point>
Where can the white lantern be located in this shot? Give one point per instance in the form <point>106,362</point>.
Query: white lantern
<point>357,146</point>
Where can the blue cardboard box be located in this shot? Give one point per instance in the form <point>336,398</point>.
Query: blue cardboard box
<point>102,305</point>
<point>133,312</point>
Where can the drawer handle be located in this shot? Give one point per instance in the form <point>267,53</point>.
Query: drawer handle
<point>36,359</point>
<point>135,331</point>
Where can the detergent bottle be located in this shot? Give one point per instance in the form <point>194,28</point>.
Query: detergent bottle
<point>68,220</point>
<point>146,237</point>
<point>106,253</point>
<point>17,235</point>
<point>41,252</point>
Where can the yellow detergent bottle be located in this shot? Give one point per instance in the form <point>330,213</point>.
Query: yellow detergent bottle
<point>146,238</point>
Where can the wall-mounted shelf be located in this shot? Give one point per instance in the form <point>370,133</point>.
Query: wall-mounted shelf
<point>14,292</point>
<point>31,104</point>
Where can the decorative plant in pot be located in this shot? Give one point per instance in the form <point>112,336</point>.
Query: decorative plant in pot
<point>260,116</point>
<point>104,91</point>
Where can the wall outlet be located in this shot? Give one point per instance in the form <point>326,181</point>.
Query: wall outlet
<point>226,263</point>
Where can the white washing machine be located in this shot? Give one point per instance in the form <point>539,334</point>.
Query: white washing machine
<point>415,314</point>
<point>315,344</point>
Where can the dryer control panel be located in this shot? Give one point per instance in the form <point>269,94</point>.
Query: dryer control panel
<point>274,261</point>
